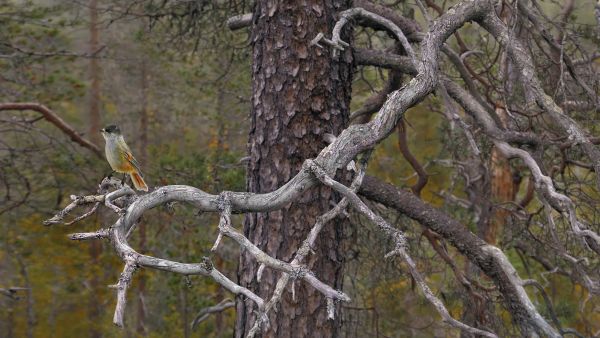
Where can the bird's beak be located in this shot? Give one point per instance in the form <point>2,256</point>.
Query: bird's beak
<point>101,130</point>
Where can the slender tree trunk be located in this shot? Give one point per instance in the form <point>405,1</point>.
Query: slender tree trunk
<point>94,114</point>
<point>28,295</point>
<point>502,186</point>
<point>143,156</point>
<point>217,186</point>
<point>95,248</point>
<point>185,289</point>
<point>10,318</point>
<point>299,93</point>
<point>186,313</point>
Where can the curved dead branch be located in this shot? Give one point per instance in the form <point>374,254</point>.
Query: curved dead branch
<point>206,312</point>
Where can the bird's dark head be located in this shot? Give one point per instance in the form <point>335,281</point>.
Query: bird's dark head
<point>111,129</point>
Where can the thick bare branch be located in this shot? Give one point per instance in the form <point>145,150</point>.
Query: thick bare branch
<point>351,13</point>
<point>408,26</point>
<point>133,259</point>
<point>239,21</point>
<point>369,57</point>
<point>86,236</point>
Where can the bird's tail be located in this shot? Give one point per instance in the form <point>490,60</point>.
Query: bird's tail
<point>138,181</point>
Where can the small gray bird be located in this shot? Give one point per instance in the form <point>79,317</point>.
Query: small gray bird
<point>120,158</point>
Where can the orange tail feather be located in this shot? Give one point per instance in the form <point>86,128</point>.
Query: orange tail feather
<point>138,181</point>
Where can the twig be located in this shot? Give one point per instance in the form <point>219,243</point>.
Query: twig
<point>11,292</point>
<point>206,312</point>
<point>77,201</point>
<point>56,120</point>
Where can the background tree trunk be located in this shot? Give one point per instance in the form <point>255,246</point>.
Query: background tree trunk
<point>94,113</point>
<point>503,189</point>
<point>95,248</point>
<point>299,93</point>
<point>143,156</point>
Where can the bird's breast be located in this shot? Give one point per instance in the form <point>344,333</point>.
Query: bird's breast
<point>115,158</point>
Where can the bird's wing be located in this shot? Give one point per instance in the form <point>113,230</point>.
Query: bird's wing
<point>126,152</point>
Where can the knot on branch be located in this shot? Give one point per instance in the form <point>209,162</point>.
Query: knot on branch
<point>224,201</point>
<point>312,167</point>
<point>206,264</point>
<point>224,206</point>
<point>108,183</point>
<point>126,276</point>
<point>399,239</point>
<point>299,272</point>
<point>262,322</point>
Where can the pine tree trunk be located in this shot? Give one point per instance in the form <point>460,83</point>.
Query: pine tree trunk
<point>299,93</point>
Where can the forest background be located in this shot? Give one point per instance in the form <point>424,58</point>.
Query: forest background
<point>178,82</point>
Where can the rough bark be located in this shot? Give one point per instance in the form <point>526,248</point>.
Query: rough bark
<point>299,93</point>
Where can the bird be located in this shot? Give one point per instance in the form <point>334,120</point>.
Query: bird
<point>120,158</point>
